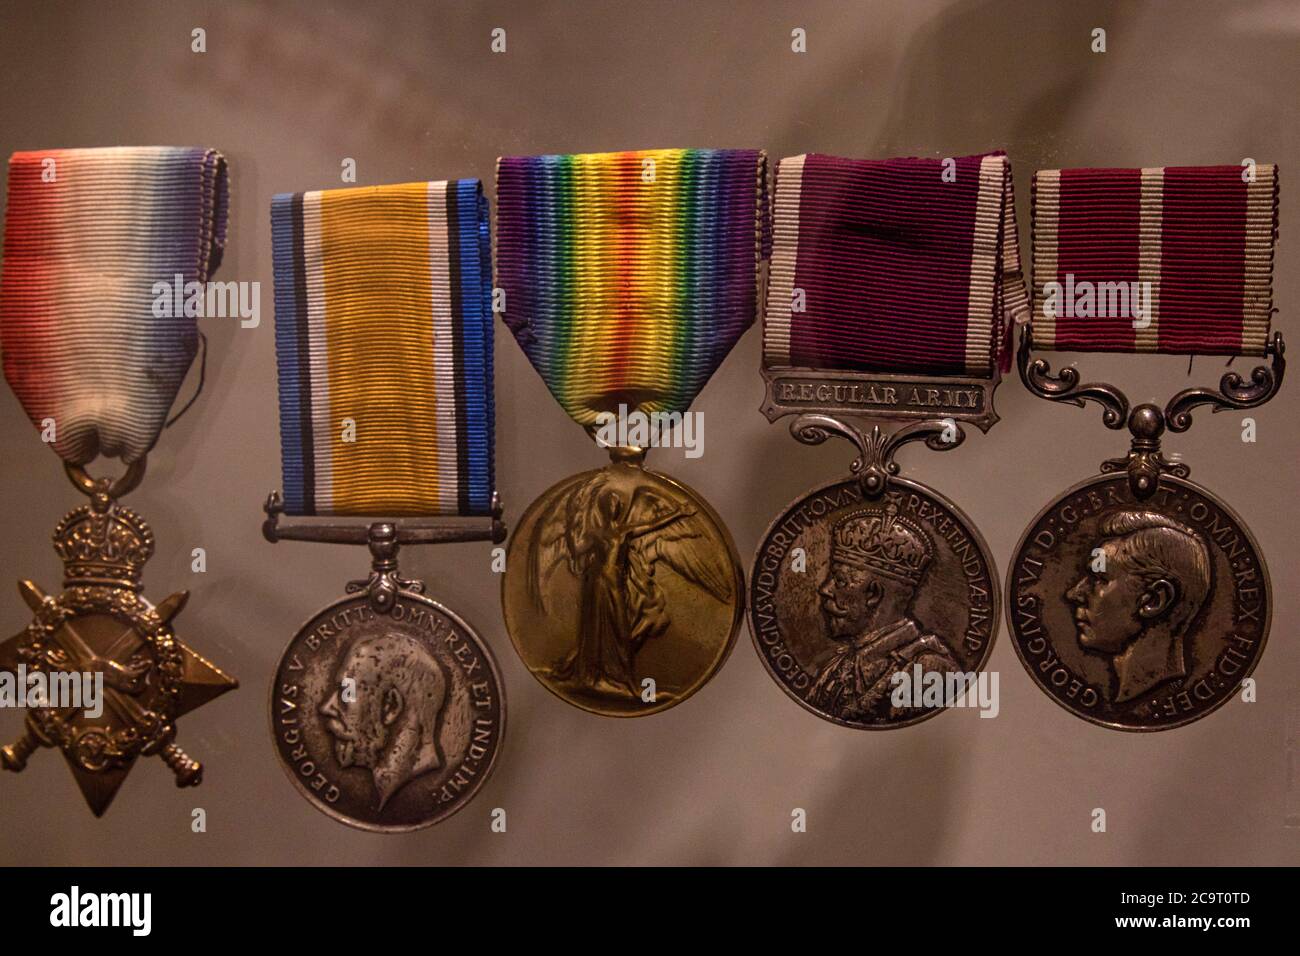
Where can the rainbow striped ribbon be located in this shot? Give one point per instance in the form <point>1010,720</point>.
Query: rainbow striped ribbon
<point>383,331</point>
<point>1189,247</point>
<point>629,276</point>
<point>894,265</point>
<point>91,337</point>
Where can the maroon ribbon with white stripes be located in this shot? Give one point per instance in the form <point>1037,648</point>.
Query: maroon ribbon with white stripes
<point>897,265</point>
<point>1166,259</point>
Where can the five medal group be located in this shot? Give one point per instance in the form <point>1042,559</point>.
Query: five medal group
<point>891,292</point>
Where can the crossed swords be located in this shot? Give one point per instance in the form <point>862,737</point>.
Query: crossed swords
<point>123,684</point>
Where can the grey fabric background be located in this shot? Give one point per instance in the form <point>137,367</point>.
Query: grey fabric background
<point>413,92</point>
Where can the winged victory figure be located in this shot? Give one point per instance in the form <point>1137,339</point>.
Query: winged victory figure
<point>613,542</point>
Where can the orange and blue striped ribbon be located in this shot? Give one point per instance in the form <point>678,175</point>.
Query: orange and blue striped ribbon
<point>629,276</point>
<point>101,248</point>
<point>383,329</point>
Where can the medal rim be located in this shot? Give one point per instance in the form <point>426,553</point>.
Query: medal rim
<point>1166,478</point>
<point>738,615</point>
<point>995,595</point>
<point>339,817</point>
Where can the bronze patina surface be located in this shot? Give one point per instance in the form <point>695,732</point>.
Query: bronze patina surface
<point>623,592</point>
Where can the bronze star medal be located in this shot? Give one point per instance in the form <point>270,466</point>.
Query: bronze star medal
<point>102,626</point>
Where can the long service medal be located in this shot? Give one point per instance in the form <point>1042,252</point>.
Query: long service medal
<point>1138,599</point>
<point>94,238</point>
<point>387,708</point>
<point>628,278</point>
<point>874,600</point>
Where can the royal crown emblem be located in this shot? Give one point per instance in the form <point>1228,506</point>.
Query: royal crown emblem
<point>108,547</point>
<point>882,540</point>
<point>103,630</point>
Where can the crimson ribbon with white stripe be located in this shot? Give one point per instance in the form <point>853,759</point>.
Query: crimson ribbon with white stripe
<point>1165,259</point>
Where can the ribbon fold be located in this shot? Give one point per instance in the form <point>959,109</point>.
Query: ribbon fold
<point>629,276</point>
<point>96,336</point>
<point>907,265</point>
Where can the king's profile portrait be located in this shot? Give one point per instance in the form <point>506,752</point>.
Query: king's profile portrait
<point>878,562</point>
<point>385,711</point>
<point>1143,585</point>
